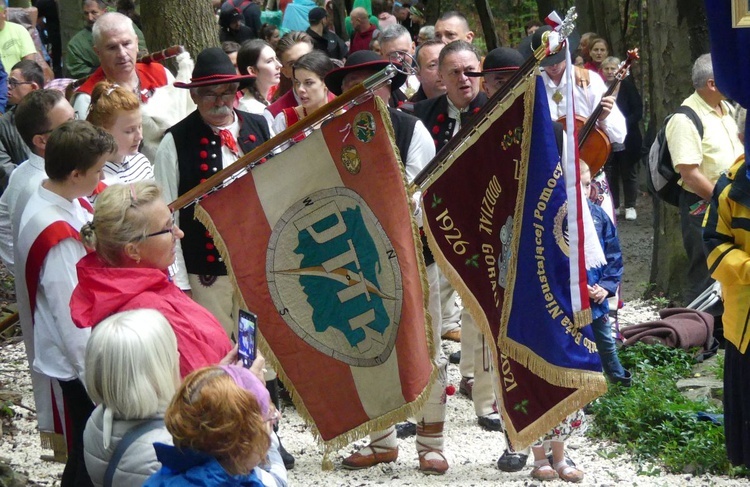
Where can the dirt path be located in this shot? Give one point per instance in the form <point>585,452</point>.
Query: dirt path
<point>636,240</point>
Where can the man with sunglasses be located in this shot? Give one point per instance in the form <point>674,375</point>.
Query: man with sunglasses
<point>209,139</point>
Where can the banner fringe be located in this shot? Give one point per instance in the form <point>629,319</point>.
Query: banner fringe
<point>401,413</point>
<point>537,430</point>
<point>583,317</point>
<point>55,442</point>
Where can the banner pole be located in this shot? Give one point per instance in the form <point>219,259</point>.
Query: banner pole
<point>326,111</point>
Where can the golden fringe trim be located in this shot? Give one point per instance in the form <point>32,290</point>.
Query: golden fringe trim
<point>401,413</point>
<point>583,317</point>
<point>55,442</point>
<point>536,430</point>
<point>467,297</point>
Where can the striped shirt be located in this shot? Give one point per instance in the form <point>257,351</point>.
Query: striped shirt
<point>133,168</point>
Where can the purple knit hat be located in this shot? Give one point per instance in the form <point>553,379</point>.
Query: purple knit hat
<point>247,380</point>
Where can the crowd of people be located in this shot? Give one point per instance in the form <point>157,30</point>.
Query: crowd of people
<point>127,310</point>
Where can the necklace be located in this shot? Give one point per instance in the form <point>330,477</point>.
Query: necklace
<point>304,111</point>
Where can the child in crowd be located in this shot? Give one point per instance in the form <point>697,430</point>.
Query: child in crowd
<point>118,111</point>
<point>45,256</point>
<point>221,421</point>
<point>603,283</point>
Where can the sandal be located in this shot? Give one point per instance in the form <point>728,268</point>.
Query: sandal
<point>568,473</point>
<point>371,455</point>
<point>544,473</point>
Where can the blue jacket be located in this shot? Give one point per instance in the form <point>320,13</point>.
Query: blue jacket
<point>194,469</point>
<point>610,275</point>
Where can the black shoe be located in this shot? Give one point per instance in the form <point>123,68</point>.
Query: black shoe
<point>490,422</point>
<point>286,457</point>
<point>511,461</point>
<point>626,381</point>
<point>455,357</point>
<point>406,429</point>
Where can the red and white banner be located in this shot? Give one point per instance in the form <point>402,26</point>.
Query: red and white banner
<point>321,244</point>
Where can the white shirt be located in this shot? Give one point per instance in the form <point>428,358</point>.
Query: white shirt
<point>21,185</point>
<point>167,173</point>
<point>586,100</point>
<point>60,345</point>
<point>133,168</point>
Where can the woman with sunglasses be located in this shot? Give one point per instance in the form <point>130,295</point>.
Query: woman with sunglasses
<point>135,240</point>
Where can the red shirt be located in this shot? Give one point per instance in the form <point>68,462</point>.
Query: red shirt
<point>361,40</point>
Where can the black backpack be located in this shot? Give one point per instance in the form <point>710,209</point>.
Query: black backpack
<point>661,176</point>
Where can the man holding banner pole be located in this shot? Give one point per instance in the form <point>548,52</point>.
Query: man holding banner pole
<point>416,149</point>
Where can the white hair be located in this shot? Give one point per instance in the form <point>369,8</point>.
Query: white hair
<point>392,33</point>
<point>703,70</point>
<point>111,22</point>
<point>132,364</point>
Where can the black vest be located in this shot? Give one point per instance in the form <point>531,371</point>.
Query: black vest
<point>433,113</point>
<point>403,129</point>
<point>198,158</point>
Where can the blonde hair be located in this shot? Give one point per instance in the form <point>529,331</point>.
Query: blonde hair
<point>107,101</point>
<point>132,365</point>
<point>119,219</point>
<point>210,413</point>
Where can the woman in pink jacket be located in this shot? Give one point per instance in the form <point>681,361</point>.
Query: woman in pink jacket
<point>135,239</point>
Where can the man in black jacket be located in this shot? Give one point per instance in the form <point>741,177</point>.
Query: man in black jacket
<point>323,39</point>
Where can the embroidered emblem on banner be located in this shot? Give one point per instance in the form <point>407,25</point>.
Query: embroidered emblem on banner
<point>364,127</point>
<point>350,159</point>
<point>334,277</point>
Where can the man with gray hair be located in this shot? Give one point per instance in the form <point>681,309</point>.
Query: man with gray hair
<point>81,60</point>
<point>116,45</point>
<point>700,161</point>
<point>396,45</point>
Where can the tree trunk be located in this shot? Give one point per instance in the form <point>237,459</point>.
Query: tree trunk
<point>339,20</point>
<point>545,7</point>
<point>488,24</point>
<point>669,23</point>
<point>604,18</point>
<point>190,23</point>
<point>432,11</point>
<point>71,21</point>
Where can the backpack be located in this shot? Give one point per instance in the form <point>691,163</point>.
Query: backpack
<point>662,177</point>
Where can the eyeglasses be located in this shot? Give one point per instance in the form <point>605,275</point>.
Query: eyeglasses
<point>225,97</point>
<point>171,230</point>
<point>14,82</point>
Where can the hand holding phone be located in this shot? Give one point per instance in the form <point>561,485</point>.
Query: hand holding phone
<point>247,327</point>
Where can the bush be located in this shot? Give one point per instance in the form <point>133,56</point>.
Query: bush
<point>655,421</point>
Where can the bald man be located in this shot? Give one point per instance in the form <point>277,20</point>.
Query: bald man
<point>453,26</point>
<point>364,30</point>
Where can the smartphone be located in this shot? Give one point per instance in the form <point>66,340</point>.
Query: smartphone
<point>246,330</point>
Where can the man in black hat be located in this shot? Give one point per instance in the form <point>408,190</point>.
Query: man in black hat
<point>416,150</point>
<point>588,90</point>
<point>206,141</point>
<point>323,39</point>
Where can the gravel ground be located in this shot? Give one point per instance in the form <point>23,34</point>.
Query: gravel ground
<point>471,451</point>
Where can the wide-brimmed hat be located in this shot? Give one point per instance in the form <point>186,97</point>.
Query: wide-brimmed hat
<point>359,61</point>
<point>213,67</point>
<point>530,43</point>
<point>500,60</point>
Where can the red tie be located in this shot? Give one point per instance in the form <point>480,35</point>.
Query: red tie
<point>227,139</point>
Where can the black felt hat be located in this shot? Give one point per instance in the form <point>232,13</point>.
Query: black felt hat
<point>358,61</point>
<point>530,43</point>
<point>213,67</point>
<point>500,60</point>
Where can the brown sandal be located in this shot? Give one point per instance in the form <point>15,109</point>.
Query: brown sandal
<point>568,473</point>
<point>380,454</point>
<point>430,466</point>
<point>544,473</point>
